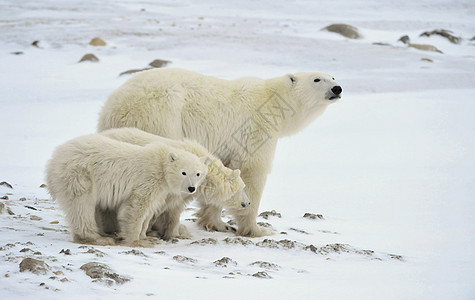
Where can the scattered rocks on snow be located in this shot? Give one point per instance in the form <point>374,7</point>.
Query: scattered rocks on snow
<point>262,275</point>
<point>345,30</point>
<point>313,216</point>
<point>92,250</point>
<point>135,252</point>
<point>425,47</point>
<point>89,57</point>
<point>34,266</point>
<point>6,184</point>
<point>97,41</point>
<point>208,241</point>
<point>266,265</point>
<point>184,259</point>
<point>238,240</point>
<point>101,271</point>
<point>286,244</point>
<point>267,214</point>
<point>338,249</point>
<point>225,262</point>
<point>444,33</point>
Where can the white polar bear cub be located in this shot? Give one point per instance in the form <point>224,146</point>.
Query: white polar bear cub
<point>239,120</point>
<point>215,192</point>
<point>94,170</point>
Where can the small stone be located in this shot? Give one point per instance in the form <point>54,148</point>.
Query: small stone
<point>238,240</point>
<point>267,214</point>
<point>22,199</point>
<point>26,250</point>
<point>184,259</point>
<point>43,185</point>
<point>7,275</point>
<point>225,262</point>
<point>345,30</point>
<point>4,197</point>
<point>33,265</point>
<point>298,230</point>
<point>54,222</point>
<point>405,39</point>
<point>89,57</point>
<point>2,206</point>
<point>36,44</point>
<point>132,71</point>
<point>135,252</point>
<point>58,273</point>
<point>35,218</point>
<point>17,53</point>
<point>262,275</point>
<point>208,241</point>
<point>425,47</point>
<point>64,279</point>
<point>266,265</point>
<point>65,252</point>
<point>6,184</point>
<point>97,41</point>
<point>426,59</point>
<point>10,212</point>
<point>313,216</point>
<point>99,271</point>
<point>159,63</point>
<point>30,207</point>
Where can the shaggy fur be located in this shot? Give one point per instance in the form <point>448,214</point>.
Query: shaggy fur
<point>96,171</point>
<point>239,121</point>
<point>216,191</point>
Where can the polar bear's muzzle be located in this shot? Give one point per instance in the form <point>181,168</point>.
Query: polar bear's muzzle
<point>335,92</point>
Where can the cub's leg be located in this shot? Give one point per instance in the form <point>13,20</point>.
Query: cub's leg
<point>209,216</point>
<point>80,214</point>
<point>131,217</point>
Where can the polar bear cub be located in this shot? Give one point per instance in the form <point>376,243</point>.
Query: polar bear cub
<point>94,170</point>
<point>215,193</point>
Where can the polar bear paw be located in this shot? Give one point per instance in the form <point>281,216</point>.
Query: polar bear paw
<point>254,231</point>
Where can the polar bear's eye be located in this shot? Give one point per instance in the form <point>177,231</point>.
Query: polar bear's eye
<point>198,174</point>
<point>316,80</point>
<point>333,78</point>
<point>183,173</point>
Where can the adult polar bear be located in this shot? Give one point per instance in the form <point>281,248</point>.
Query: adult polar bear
<point>239,121</point>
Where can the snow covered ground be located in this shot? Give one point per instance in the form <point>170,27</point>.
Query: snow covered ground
<point>390,166</point>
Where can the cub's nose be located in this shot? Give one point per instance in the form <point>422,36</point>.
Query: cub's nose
<point>337,90</point>
<point>191,189</point>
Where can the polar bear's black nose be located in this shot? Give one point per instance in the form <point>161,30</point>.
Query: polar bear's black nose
<point>337,90</point>
<point>191,189</point>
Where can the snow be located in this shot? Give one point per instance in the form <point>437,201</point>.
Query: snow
<point>390,166</point>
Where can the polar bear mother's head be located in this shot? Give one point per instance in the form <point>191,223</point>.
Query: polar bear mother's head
<point>309,93</point>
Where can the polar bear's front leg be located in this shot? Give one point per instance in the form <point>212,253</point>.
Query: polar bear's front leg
<point>209,216</point>
<point>131,218</point>
<point>246,221</point>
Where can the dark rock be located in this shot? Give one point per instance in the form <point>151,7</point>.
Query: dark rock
<point>88,57</point>
<point>30,207</point>
<point>426,59</point>
<point>4,197</point>
<point>444,33</point>
<point>298,230</point>
<point>43,185</point>
<point>65,252</point>
<point>382,44</point>
<point>262,275</point>
<point>17,53</point>
<point>208,241</point>
<point>238,240</point>
<point>102,272</point>
<point>10,212</point>
<point>132,71</point>
<point>2,206</point>
<point>34,266</point>
<point>405,39</point>
<point>135,252</point>
<point>345,30</point>
<point>35,44</point>
<point>159,63</point>
<point>6,184</point>
<point>313,216</point>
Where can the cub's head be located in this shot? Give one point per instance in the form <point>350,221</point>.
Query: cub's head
<point>185,172</point>
<point>221,185</point>
<point>309,93</point>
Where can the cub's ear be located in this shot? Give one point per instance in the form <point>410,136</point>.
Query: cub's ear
<point>236,173</point>
<point>173,157</point>
<point>292,78</point>
<point>205,160</point>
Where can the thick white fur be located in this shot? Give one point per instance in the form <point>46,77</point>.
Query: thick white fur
<point>96,171</point>
<point>215,192</point>
<point>239,121</point>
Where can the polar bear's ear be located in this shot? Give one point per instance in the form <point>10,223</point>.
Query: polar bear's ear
<point>236,173</point>
<point>292,78</point>
<point>205,160</point>
<point>173,157</point>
